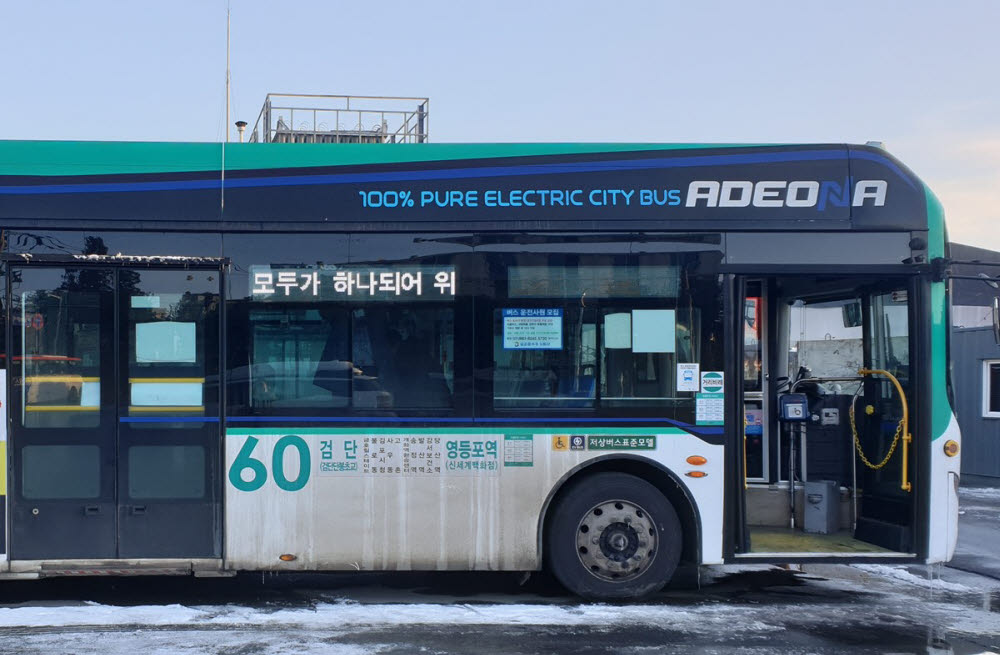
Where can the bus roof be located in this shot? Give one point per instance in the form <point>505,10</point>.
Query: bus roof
<point>364,187</point>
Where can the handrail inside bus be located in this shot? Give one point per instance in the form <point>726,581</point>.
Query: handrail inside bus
<point>907,438</point>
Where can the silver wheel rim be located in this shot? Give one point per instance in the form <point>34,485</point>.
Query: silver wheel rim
<point>616,541</point>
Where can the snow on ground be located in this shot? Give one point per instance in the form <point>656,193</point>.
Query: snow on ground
<point>892,584</point>
<point>903,575</point>
<point>979,493</point>
<point>193,642</point>
<point>865,609</point>
<point>349,613</point>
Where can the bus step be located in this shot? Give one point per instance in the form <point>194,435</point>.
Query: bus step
<point>53,572</point>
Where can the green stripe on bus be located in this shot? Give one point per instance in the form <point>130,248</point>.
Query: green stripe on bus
<point>112,158</point>
<point>941,411</point>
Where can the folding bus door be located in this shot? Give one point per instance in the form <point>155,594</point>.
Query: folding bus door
<point>168,428</point>
<point>63,420</point>
<point>114,391</point>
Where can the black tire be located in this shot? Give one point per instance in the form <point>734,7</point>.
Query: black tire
<point>607,515</point>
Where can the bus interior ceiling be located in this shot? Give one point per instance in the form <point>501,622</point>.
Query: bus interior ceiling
<point>811,335</point>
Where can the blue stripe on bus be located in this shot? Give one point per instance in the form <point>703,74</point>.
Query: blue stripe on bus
<point>455,173</point>
<point>168,419</point>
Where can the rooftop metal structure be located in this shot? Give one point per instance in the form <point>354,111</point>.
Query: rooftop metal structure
<point>304,118</point>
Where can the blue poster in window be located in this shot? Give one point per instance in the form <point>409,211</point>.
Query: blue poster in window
<point>532,329</point>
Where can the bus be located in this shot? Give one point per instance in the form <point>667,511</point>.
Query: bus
<point>601,360</point>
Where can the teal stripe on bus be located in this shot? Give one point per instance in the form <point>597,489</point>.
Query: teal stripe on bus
<point>46,158</point>
<point>941,411</point>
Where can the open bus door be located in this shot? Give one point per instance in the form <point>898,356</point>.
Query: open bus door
<point>825,479</point>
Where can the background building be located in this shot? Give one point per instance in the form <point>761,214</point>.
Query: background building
<point>976,364</point>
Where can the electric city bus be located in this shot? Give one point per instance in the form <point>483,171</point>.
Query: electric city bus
<point>603,360</point>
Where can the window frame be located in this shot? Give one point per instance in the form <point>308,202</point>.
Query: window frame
<point>987,388</point>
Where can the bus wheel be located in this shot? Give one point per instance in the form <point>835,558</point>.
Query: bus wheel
<point>613,536</point>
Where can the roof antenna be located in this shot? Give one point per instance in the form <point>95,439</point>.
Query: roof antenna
<point>222,172</point>
<point>228,11</point>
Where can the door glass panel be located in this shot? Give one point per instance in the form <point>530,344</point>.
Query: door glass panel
<point>168,432</point>
<point>890,351</point>
<point>49,472</point>
<point>168,322</point>
<point>753,389</point>
<point>753,355</point>
<point>891,334</point>
<point>60,355</point>
<point>166,472</point>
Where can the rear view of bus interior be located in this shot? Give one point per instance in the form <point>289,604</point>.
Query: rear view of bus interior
<point>824,429</point>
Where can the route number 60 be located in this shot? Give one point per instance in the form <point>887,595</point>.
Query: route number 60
<point>246,462</point>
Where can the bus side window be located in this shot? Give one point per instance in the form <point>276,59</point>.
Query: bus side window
<point>544,357</point>
<point>400,357</point>
<point>329,356</point>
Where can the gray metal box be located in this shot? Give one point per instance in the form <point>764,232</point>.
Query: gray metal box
<point>822,507</point>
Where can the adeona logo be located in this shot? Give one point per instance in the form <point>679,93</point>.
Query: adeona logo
<point>711,382</point>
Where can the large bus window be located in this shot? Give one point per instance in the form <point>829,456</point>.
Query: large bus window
<point>641,348</point>
<point>403,357</point>
<point>378,357</point>
<point>544,357</point>
<point>298,358</point>
<point>604,337</point>
<point>337,340</point>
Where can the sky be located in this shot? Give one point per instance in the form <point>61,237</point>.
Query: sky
<point>920,77</point>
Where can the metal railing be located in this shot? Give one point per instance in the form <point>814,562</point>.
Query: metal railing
<point>304,118</point>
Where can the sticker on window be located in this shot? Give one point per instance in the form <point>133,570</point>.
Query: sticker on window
<point>688,377</point>
<point>532,329</point>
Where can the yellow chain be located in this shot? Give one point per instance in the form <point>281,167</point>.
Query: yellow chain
<point>857,442</point>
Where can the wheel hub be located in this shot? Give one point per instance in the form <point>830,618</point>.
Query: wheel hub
<point>619,542</point>
<point>616,540</point>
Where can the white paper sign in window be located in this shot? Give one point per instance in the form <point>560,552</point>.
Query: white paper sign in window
<point>618,330</point>
<point>653,331</point>
<point>165,342</point>
<point>149,393</point>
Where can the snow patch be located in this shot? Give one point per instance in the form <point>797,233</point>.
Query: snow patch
<point>352,614</point>
<point>901,574</point>
<point>979,493</point>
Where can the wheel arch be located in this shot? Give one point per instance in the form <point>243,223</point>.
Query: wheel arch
<point>661,477</point>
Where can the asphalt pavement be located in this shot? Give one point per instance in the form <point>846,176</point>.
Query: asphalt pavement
<point>978,532</point>
<point>746,610</point>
